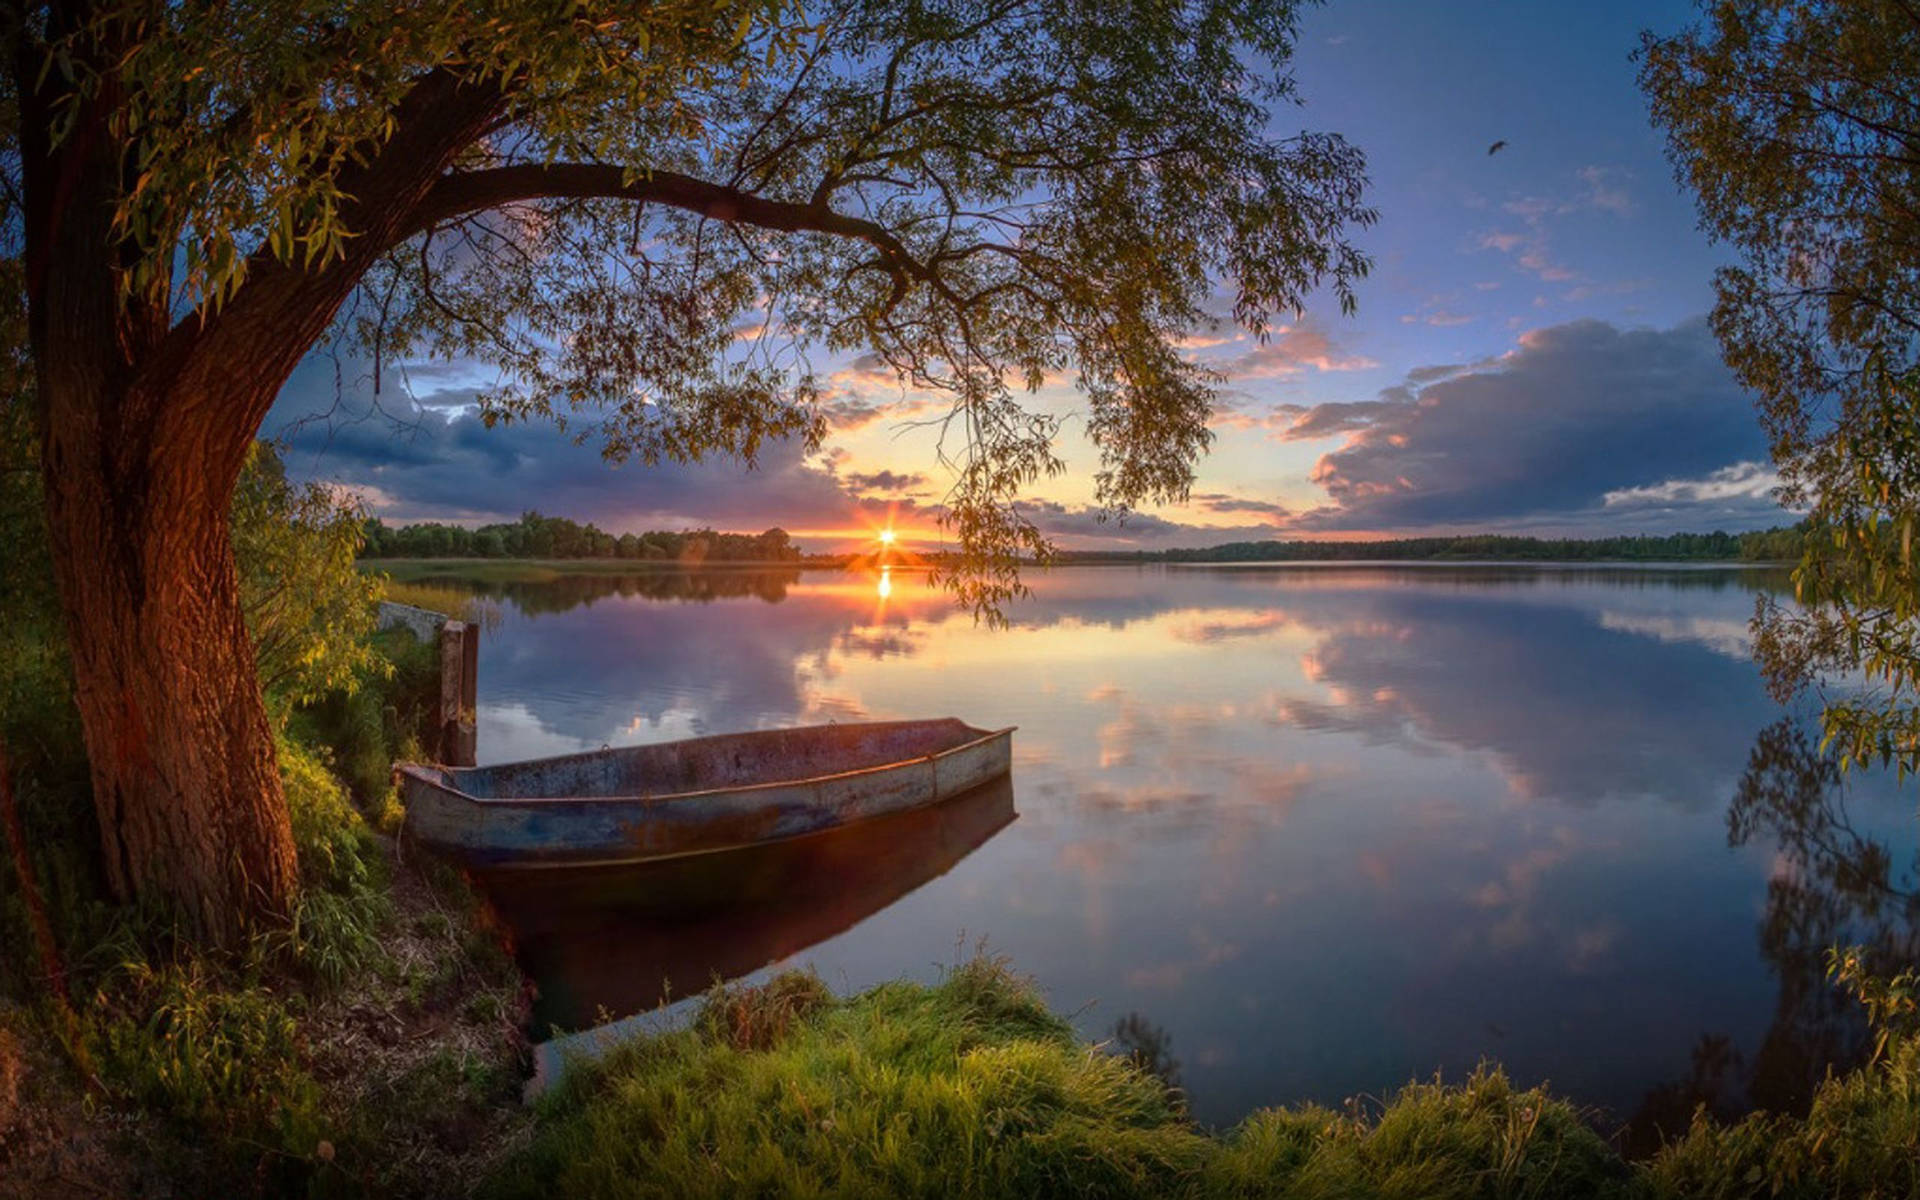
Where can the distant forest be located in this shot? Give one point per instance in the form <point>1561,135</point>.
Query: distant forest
<point>537,536</point>
<point>1767,545</point>
<point>543,537</point>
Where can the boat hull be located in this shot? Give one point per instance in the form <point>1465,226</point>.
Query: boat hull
<point>621,940</point>
<point>475,816</point>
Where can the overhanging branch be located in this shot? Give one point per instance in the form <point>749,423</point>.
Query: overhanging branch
<point>466,192</point>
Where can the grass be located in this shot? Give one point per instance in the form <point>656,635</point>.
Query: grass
<point>973,1088</point>
<point>457,602</point>
<point>369,1047</point>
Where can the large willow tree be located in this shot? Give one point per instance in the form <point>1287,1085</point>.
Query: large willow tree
<point>600,196</point>
<point>1797,125</point>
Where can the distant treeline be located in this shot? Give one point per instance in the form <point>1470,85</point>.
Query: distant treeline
<point>537,536</point>
<point>1768,545</point>
<point>542,537</point>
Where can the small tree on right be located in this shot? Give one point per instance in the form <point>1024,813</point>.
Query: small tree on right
<point>1797,127</point>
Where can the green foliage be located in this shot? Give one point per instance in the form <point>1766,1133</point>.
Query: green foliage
<point>651,219</point>
<point>342,903</point>
<point>541,537</point>
<point>41,749</point>
<point>1718,546</point>
<point>308,610</point>
<point>382,719</point>
<point>1858,584</point>
<point>1892,1003</point>
<point>1794,124</point>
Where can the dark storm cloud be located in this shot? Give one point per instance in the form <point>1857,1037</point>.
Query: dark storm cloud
<point>1086,527</point>
<point>886,481</point>
<point>436,461</point>
<point>1566,425</point>
<point>1220,502</point>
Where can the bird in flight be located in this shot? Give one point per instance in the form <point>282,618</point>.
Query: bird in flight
<point>1496,148</point>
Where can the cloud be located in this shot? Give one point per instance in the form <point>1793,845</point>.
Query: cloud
<point>1439,318</point>
<point>886,481</point>
<point>1602,191</point>
<point>1577,414</point>
<point>1325,420</point>
<point>1291,352</point>
<point>1741,481</point>
<point>1220,502</point>
<point>1605,192</point>
<point>1087,527</point>
<point>442,463</point>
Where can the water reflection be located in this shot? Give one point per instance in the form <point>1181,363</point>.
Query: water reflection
<point>614,943</point>
<point>1149,1046</point>
<point>1339,827</point>
<point>561,593</point>
<point>1829,884</point>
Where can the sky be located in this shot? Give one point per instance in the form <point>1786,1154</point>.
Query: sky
<point>1530,354</point>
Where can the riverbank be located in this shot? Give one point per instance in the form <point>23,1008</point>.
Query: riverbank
<point>374,1048</point>
<point>974,1088</point>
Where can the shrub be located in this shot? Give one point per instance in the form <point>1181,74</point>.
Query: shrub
<point>970,1088</point>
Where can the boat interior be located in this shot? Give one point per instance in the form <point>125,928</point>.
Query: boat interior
<point>703,764</point>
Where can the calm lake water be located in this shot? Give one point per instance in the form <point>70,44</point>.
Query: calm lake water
<point>1309,832</point>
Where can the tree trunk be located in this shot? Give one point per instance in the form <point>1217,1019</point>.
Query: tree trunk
<point>145,425</point>
<point>184,776</point>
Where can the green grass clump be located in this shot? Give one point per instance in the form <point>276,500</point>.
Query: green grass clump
<point>343,902</point>
<point>213,1042</point>
<point>1861,1139</point>
<point>970,1088</point>
<point>187,1041</point>
<point>1483,1139</point>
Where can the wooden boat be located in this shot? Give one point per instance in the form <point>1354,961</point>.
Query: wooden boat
<point>621,941</point>
<point>613,807</point>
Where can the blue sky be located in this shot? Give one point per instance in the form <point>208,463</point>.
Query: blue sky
<point>1530,353</point>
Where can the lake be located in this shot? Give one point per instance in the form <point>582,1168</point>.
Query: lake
<point>1298,833</point>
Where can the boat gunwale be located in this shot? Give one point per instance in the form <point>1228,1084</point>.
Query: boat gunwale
<point>418,771</point>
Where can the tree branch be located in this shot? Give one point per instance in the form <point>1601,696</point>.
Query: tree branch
<point>465,192</point>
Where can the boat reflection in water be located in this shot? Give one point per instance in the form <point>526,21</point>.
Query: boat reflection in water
<point>614,942</point>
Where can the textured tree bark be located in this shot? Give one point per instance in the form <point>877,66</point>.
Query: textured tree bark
<point>182,757</point>
<point>139,459</point>
<point>145,423</point>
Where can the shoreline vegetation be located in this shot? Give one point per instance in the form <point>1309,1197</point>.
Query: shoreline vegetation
<point>973,1087</point>
<point>538,547</point>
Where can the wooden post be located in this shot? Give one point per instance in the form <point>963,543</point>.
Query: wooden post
<point>453,734</point>
<point>459,672</point>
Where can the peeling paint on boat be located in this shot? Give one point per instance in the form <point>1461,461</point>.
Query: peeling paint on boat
<point>693,797</point>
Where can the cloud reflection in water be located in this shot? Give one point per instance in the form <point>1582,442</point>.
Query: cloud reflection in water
<point>1333,829</point>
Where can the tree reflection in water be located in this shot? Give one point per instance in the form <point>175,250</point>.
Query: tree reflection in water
<point>562,592</point>
<point>1149,1046</point>
<point>1831,885</point>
